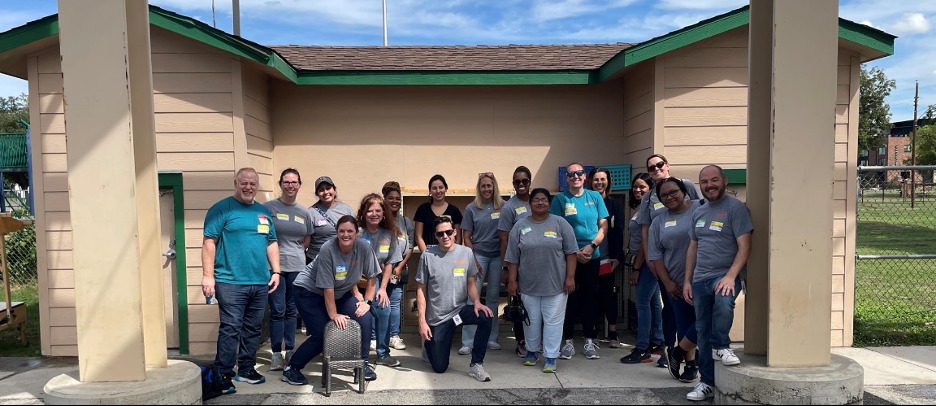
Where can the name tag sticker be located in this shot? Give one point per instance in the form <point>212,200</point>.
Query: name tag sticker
<point>495,215</point>
<point>459,272</point>
<point>282,216</point>
<point>299,220</point>
<point>716,226</point>
<point>525,230</point>
<point>520,210</point>
<point>384,246</point>
<point>341,272</point>
<point>570,209</point>
<point>263,229</point>
<point>700,223</point>
<point>263,219</point>
<point>657,206</point>
<point>320,222</point>
<point>671,223</point>
<point>550,234</point>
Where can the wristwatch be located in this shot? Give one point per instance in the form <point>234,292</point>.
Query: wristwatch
<point>369,302</point>
<point>593,245</point>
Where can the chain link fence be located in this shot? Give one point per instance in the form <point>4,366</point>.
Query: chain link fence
<point>21,255</point>
<point>895,274</point>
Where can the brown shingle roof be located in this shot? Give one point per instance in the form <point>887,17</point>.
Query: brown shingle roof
<point>451,58</point>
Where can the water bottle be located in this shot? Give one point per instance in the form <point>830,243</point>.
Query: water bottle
<point>211,300</point>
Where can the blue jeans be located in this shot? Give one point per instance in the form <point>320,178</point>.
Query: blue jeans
<point>714,316</point>
<point>381,329</point>
<point>283,314</point>
<point>439,347</point>
<point>395,290</point>
<point>311,308</point>
<point>240,308</point>
<point>491,267</point>
<point>649,310</point>
<point>547,316</point>
<point>685,319</point>
<point>667,316</point>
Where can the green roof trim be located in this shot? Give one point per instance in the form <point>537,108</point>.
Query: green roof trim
<point>674,40</point>
<point>447,78</point>
<point>191,28</point>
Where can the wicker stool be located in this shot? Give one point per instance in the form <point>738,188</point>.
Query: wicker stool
<point>342,350</point>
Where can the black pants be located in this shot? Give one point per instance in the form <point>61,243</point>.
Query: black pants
<point>583,302</point>
<point>440,346</point>
<point>609,300</point>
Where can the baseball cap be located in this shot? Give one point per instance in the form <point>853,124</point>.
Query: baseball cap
<point>323,179</point>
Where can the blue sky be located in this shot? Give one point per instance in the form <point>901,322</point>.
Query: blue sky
<point>494,22</point>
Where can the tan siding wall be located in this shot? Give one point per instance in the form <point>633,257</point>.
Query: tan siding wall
<point>409,133</point>
<point>258,131</point>
<point>705,122</point>
<point>639,115</point>
<point>194,108</point>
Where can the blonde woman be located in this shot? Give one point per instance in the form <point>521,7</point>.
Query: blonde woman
<point>479,232</point>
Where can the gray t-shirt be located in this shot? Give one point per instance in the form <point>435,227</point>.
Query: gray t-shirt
<point>716,226</point>
<point>445,275</point>
<point>384,245</point>
<point>539,250</point>
<point>635,236</point>
<point>482,223</point>
<point>293,223</point>
<point>323,228</point>
<point>332,269</point>
<point>408,230</point>
<point>669,241</point>
<point>651,207</point>
<point>511,212</point>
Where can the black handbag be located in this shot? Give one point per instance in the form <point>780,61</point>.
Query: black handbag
<point>515,311</point>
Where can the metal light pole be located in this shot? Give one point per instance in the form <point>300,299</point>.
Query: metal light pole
<point>236,9</point>
<point>384,22</point>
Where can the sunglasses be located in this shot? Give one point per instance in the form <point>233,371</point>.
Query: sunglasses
<point>658,167</point>
<point>573,174</point>
<point>488,174</point>
<point>518,182</point>
<point>448,232</point>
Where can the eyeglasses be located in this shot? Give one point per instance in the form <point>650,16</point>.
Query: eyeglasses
<point>540,200</point>
<point>290,183</point>
<point>658,167</point>
<point>518,182</point>
<point>670,195</point>
<point>488,174</point>
<point>448,232</point>
<point>573,174</point>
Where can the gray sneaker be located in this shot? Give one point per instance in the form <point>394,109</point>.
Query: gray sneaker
<point>476,371</point>
<point>591,349</point>
<point>568,350</point>
<point>276,362</point>
<point>388,361</point>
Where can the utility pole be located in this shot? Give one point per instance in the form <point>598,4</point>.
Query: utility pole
<point>916,97</point>
<point>236,9</point>
<point>384,22</point>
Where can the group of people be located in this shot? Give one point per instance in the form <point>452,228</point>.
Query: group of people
<point>328,263</point>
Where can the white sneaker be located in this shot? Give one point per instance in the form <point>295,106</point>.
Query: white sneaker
<point>476,371</point>
<point>373,345</point>
<point>464,351</point>
<point>568,350</point>
<point>397,343</point>
<point>727,356</point>
<point>701,392</point>
<point>591,349</point>
<point>276,362</point>
<point>493,345</point>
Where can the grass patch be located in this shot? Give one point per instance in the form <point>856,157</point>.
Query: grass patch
<point>895,299</point>
<point>10,346</point>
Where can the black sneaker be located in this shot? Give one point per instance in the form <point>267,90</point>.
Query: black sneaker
<point>637,356</point>
<point>250,376</point>
<point>227,387</point>
<point>293,376</point>
<point>674,358</point>
<point>657,349</point>
<point>369,374</point>
<point>388,361</point>
<point>690,372</point>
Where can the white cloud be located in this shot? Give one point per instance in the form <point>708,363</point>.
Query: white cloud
<point>913,23</point>
<point>701,4</point>
<point>561,9</point>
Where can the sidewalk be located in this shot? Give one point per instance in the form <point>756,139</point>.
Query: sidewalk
<point>901,375</point>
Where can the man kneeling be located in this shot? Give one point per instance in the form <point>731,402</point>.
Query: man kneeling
<point>445,281</point>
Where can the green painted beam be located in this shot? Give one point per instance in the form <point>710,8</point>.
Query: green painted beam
<point>864,35</point>
<point>173,181</point>
<point>31,32</point>
<point>736,176</point>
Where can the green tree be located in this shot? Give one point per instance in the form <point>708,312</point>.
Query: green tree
<point>12,110</point>
<point>873,112</point>
<point>926,145</point>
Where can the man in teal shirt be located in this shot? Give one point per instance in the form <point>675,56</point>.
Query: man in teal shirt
<point>239,252</point>
<point>586,212</point>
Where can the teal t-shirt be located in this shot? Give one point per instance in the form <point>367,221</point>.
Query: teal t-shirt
<point>582,212</point>
<point>242,232</point>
